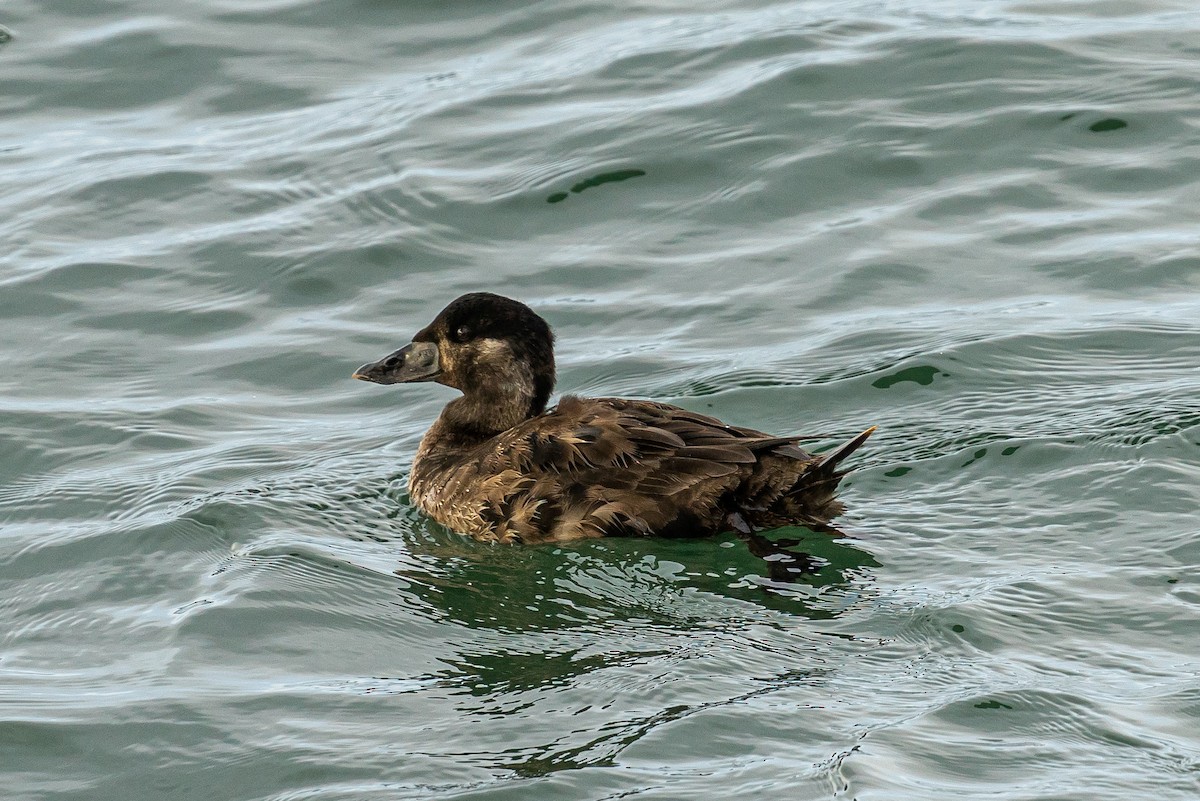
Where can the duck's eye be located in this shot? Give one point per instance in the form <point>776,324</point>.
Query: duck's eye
<point>462,333</point>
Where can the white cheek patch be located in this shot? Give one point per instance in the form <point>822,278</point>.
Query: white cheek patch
<point>493,349</point>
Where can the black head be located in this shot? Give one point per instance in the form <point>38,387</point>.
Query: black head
<point>485,345</point>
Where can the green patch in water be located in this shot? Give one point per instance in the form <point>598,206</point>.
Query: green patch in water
<point>992,705</point>
<point>1108,124</point>
<point>597,180</point>
<point>922,374</point>
<point>975,457</point>
<point>898,471</point>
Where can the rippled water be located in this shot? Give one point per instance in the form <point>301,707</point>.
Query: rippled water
<point>973,224</point>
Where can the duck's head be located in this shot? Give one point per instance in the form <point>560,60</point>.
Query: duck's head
<point>493,349</point>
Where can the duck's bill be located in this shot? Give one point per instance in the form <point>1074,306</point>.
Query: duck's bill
<point>415,362</point>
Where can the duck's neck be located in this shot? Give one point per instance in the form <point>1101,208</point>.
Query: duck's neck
<point>495,400</point>
<point>483,414</point>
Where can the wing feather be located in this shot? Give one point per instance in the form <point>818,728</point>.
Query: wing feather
<point>604,465</point>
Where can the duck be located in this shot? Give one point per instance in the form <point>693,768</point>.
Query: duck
<point>499,465</point>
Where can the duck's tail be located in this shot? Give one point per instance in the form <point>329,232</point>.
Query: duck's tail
<point>826,468</point>
<point>812,499</point>
<point>816,486</point>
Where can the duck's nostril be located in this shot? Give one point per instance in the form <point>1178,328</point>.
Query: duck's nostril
<point>392,363</point>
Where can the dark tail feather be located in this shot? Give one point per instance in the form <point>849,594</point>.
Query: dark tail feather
<point>826,469</point>
<point>812,500</point>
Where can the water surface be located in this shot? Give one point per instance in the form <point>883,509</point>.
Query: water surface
<point>971,224</point>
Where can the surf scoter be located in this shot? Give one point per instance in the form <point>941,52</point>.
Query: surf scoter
<point>498,465</point>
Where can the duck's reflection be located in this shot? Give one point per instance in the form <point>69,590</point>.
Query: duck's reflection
<point>792,569</point>
<point>579,652</point>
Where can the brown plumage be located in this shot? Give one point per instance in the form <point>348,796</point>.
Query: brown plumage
<point>497,466</point>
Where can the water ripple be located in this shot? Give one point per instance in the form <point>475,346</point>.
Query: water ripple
<point>968,226</point>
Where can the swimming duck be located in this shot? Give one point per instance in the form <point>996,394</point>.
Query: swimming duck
<point>498,465</point>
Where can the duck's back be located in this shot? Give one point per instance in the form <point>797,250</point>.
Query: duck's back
<point>611,467</point>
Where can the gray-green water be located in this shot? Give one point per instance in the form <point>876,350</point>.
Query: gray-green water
<point>973,224</point>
